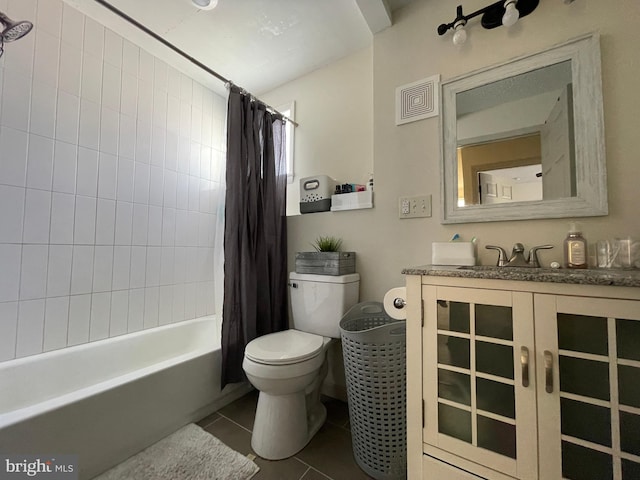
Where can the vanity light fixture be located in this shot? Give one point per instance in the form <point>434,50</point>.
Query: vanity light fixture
<point>503,12</point>
<point>511,13</point>
<point>459,34</point>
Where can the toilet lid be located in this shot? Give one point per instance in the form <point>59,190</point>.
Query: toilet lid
<point>286,347</point>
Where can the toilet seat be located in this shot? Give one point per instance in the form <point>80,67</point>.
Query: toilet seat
<point>284,348</point>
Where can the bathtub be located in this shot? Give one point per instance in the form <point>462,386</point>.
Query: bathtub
<point>107,400</point>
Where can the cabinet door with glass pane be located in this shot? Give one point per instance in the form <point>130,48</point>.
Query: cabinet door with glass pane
<point>588,354</point>
<point>479,377</point>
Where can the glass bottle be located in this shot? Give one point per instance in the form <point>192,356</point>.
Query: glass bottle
<point>575,248</point>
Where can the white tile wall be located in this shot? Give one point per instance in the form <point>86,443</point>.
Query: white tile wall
<point>56,323</point>
<point>108,161</point>
<point>30,336</point>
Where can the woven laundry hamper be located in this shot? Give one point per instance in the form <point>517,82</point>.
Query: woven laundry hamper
<point>374,347</point>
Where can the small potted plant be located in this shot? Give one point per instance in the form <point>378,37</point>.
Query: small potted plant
<point>327,244</point>
<point>327,259</point>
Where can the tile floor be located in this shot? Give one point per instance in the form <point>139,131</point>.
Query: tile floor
<point>327,457</point>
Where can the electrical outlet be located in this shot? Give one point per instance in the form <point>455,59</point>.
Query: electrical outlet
<point>414,207</point>
<point>405,208</point>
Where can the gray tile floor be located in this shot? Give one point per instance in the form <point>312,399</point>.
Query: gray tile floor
<point>327,456</point>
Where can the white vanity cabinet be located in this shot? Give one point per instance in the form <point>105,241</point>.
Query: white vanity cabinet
<point>526,380</point>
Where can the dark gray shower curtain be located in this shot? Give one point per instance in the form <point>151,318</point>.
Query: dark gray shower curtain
<point>255,234</point>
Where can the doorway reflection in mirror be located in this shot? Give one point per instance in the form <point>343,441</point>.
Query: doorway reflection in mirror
<point>516,135</point>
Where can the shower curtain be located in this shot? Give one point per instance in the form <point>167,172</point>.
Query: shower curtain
<point>255,232</point>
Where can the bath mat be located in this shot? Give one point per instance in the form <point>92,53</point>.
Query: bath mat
<point>188,454</point>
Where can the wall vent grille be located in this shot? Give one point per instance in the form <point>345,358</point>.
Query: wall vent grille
<point>418,100</point>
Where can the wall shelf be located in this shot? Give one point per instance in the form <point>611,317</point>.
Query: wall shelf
<point>352,201</point>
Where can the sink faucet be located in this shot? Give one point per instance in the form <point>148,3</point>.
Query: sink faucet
<point>517,258</point>
<point>502,255</point>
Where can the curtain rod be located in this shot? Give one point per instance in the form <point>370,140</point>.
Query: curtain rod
<point>182,53</point>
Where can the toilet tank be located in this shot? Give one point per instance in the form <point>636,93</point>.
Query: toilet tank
<point>319,301</point>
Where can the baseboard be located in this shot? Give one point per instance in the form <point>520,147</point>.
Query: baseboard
<point>334,390</point>
<point>230,394</point>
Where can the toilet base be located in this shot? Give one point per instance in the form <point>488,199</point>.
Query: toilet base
<point>282,427</point>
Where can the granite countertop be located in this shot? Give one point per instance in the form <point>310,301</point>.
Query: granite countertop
<point>619,278</point>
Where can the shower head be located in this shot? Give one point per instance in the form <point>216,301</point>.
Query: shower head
<point>14,30</point>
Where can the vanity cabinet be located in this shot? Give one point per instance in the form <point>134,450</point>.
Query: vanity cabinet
<point>526,380</point>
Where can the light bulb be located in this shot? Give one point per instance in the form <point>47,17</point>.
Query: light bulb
<point>460,35</point>
<point>511,14</point>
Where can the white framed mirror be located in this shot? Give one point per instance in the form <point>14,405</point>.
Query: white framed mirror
<point>525,139</point>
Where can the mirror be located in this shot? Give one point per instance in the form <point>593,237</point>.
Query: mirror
<point>525,139</point>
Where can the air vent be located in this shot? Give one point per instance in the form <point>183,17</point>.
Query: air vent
<point>418,100</point>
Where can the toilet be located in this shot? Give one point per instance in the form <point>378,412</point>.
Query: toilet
<point>288,367</point>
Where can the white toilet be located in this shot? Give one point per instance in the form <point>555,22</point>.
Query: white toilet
<point>288,367</point>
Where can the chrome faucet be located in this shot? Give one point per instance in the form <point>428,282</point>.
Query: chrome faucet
<point>517,258</point>
<point>502,255</point>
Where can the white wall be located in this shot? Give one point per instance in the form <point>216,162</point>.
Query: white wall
<point>334,110</point>
<point>407,158</point>
<point>108,166</point>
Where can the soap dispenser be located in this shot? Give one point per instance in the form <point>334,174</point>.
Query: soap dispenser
<point>575,248</point>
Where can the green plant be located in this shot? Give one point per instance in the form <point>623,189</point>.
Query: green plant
<point>327,244</point>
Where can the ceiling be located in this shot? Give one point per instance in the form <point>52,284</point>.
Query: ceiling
<point>258,44</point>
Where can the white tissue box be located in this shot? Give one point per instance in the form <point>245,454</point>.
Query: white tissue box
<point>453,253</point>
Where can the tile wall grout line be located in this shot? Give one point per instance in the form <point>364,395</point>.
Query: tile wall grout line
<point>24,210</point>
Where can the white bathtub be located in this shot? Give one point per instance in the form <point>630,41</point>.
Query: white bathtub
<point>107,400</point>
